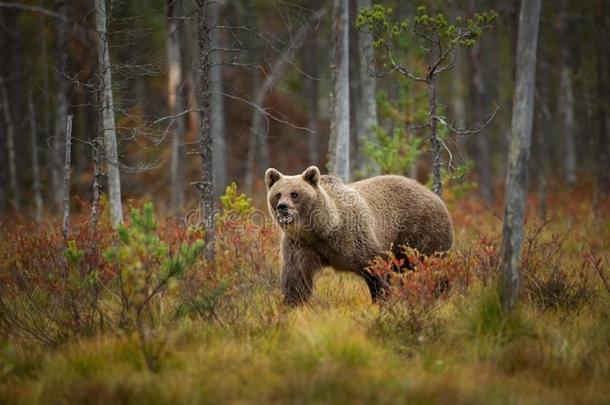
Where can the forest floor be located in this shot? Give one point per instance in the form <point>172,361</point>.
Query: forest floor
<point>242,345</point>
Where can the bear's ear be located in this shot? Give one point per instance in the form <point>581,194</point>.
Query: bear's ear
<point>312,175</point>
<point>271,177</point>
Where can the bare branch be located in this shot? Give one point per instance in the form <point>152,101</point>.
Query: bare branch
<point>173,117</point>
<point>35,9</point>
<point>476,130</point>
<point>267,112</point>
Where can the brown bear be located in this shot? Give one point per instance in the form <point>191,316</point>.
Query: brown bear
<point>325,222</point>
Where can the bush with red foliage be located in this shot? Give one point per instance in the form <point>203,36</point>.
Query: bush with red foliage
<point>430,278</point>
<point>42,296</point>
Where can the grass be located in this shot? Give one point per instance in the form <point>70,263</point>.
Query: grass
<point>330,352</point>
<point>458,348</point>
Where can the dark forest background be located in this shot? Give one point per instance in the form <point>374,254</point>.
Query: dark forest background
<point>569,142</point>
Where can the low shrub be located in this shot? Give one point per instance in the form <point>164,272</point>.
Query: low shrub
<point>552,279</point>
<point>136,279</point>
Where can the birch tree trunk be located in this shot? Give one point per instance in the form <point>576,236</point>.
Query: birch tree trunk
<point>109,127</point>
<point>35,163</point>
<point>217,118</point>
<point>61,103</point>
<point>206,185</point>
<point>338,162</point>
<point>566,99</point>
<point>10,146</point>
<point>437,182</point>
<point>368,101</point>
<point>518,155</point>
<point>176,105</point>
<point>66,188</point>
<point>96,187</point>
<point>355,90</point>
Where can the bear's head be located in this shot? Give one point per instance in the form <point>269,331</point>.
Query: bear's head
<point>293,200</point>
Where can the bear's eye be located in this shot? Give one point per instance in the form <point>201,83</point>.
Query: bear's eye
<point>278,195</point>
<point>294,195</point>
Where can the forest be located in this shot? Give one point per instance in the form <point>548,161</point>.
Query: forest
<point>141,259</point>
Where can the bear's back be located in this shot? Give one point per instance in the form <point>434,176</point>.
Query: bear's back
<point>406,212</point>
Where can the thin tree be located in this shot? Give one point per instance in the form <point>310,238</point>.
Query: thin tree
<point>542,118</point>
<point>35,162</point>
<point>441,42</point>
<point>217,118</point>
<point>368,108</point>
<point>176,104</point>
<point>66,188</point>
<point>205,142</point>
<point>107,113</point>
<point>518,155</point>
<point>312,93</point>
<point>602,52</point>
<point>62,99</point>
<point>10,146</point>
<point>566,98</point>
<point>338,162</point>
<point>477,100</point>
<point>258,147</point>
<point>96,186</point>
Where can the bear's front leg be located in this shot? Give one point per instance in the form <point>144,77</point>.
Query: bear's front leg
<point>299,264</point>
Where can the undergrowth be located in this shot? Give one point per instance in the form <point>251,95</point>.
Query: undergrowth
<point>138,316</point>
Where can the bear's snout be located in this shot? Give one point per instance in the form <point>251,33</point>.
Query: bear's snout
<point>285,213</point>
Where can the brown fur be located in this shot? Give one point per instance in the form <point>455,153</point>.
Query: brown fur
<point>329,223</point>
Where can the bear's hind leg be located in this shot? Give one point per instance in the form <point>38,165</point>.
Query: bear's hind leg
<point>377,287</point>
<point>399,254</point>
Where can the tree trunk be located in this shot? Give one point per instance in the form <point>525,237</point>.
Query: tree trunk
<point>477,99</point>
<point>35,163</point>
<point>513,16</point>
<point>7,20</point>
<point>176,105</point>
<point>518,156</point>
<point>206,186</point>
<point>566,99</point>
<point>355,90</point>
<point>254,139</point>
<point>66,188</point>
<point>61,103</point>
<point>258,141</point>
<point>96,187</point>
<point>338,161</point>
<point>109,127</point>
<point>603,90</point>
<point>437,181</point>
<point>368,101</point>
<point>311,91</point>
<point>46,110</point>
<point>10,146</point>
<point>541,123</point>
<point>217,102</point>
